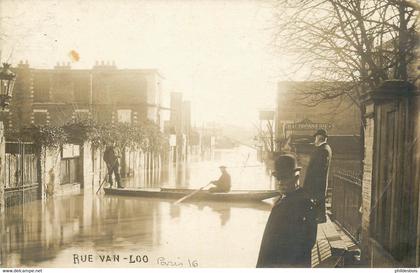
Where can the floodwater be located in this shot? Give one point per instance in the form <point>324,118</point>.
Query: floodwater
<point>89,230</point>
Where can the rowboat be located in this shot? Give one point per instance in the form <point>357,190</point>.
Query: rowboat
<point>171,193</point>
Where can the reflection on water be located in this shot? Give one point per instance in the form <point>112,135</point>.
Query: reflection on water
<point>61,231</point>
<point>245,170</point>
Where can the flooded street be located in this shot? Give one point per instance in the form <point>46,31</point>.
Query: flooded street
<point>90,230</point>
<point>242,164</point>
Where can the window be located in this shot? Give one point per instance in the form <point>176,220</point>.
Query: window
<point>40,117</point>
<point>124,116</point>
<point>70,151</point>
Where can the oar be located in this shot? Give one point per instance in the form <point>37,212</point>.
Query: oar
<point>191,194</point>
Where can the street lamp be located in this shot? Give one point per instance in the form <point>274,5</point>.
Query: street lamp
<point>7,81</point>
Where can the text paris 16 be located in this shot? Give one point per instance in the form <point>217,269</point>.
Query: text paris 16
<point>178,262</point>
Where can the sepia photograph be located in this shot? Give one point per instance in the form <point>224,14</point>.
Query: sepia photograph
<point>189,134</point>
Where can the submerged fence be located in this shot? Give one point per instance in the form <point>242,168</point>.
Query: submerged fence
<point>21,173</point>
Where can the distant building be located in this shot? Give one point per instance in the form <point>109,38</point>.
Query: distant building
<point>179,126</point>
<point>339,117</point>
<point>104,93</point>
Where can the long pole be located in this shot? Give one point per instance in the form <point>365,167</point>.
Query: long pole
<point>191,194</point>
<point>103,181</point>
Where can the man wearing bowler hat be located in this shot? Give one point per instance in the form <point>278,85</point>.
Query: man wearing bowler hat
<point>316,178</point>
<point>291,228</point>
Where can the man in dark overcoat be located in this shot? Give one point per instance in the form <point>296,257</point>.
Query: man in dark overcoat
<point>290,233</point>
<point>222,184</point>
<point>113,166</point>
<point>316,178</point>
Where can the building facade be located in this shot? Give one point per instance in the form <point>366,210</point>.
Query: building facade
<point>104,93</point>
<point>61,95</point>
<point>340,116</point>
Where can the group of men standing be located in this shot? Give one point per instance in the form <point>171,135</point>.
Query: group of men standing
<point>291,229</point>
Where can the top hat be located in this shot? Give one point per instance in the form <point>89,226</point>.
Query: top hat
<point>286,166</point>
<point>320,132</point>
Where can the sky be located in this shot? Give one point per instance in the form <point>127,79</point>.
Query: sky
<point>217,53</point>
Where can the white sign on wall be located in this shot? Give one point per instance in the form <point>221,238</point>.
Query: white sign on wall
<point>124,115</point>
<point>70,150</point>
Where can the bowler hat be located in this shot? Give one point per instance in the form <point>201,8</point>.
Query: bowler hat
<point>286,166</point>
<point>320,132</point>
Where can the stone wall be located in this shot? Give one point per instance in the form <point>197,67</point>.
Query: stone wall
<point>390,191</point>
<point>367,179</point>
<point>416,169</point>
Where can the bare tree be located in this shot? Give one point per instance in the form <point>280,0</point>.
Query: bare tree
<point>266,136</point>
<point>349,46</point>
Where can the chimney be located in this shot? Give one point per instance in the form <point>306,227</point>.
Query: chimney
<point>63,66</point>
<point>23,65</point>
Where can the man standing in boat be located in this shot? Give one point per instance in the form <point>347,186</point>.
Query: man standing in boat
<point>112,164</point>
<point>291,228</point>
<point>316,178</point>
<point>223,183</point>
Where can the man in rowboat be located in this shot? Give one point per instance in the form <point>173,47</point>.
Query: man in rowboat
<point>223,183</point>
<point>291,228</point>
<point>111,160</point>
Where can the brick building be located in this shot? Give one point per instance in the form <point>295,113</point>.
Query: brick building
<point>342,115</point>
<point>61,95</point>
<point>105,93</point>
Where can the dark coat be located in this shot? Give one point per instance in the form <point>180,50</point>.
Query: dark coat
<point>316,178</point>
<point>223,184</point>
<point>110,158</point>
<point>290,233</point>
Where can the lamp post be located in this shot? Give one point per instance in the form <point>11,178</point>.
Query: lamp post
<point>7,82</point>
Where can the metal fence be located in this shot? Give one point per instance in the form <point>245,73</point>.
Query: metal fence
<point>21,181</point>
<point>346,200</point>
